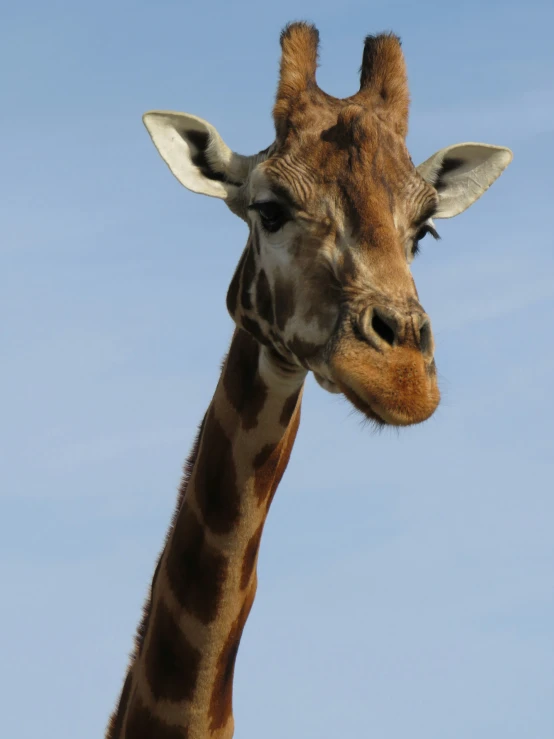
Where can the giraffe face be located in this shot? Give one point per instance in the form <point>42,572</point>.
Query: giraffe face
<point>335,216</point>
<point>336,210</point>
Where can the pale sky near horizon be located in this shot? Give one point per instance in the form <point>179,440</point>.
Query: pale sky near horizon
<point>406,579</point>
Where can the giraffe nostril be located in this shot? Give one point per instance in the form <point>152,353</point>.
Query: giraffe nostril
<point>426,338</point>
<point>382,329</point>
<point>377,327</point>
<point>385,325</point>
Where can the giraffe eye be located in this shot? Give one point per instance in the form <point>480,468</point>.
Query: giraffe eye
<point>272,215</point>
<point>427,228</point>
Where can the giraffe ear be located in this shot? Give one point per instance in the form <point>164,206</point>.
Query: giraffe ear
<point>462,173</point>
<point>196,154</point>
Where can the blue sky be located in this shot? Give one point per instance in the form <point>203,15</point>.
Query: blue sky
<point>406,579</point>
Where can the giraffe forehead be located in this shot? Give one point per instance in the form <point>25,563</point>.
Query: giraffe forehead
<point>355,163</point>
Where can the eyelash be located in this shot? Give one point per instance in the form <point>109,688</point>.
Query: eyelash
<point>274,217</point>
<point>421,234</point>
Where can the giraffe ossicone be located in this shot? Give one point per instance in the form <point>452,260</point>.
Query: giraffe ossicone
<point>336,210</point>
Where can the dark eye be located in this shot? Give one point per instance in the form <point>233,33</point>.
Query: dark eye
<point>427,228</point>
<point>272,214</point>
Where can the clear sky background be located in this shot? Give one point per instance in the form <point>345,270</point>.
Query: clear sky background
<point>406,579</point>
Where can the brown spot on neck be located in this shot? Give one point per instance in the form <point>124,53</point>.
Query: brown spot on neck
<point>172,663</point>
<point>143,724</point>
<point>196,570</point>
<point>270,463</point>
<point>215,482</point>
<point>245,389</point>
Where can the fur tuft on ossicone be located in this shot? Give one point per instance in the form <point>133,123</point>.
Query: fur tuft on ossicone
<point>299,44</point>
<point>383,79</point>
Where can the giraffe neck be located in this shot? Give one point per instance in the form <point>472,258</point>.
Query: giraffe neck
<point>179,684</point>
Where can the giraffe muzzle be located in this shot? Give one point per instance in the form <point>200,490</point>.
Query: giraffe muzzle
<point>383,363</point>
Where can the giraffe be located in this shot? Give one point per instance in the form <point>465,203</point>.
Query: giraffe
<point>336,212</point>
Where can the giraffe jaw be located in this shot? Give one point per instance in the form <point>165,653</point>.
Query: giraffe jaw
<point>366,409</point>
<point>371,409</point>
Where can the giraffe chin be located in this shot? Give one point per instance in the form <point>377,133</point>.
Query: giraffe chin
<point>399,389</point>
<point>327,384</point>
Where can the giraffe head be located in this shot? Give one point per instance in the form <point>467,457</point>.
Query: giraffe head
<point>336,210</point>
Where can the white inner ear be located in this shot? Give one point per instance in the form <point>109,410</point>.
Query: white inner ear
<point>462,173</point>
<point>176,137</point>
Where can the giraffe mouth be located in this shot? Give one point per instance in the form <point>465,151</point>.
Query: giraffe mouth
<point>401,392</point>
<point>397,389</point>
<point>373,411</point>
